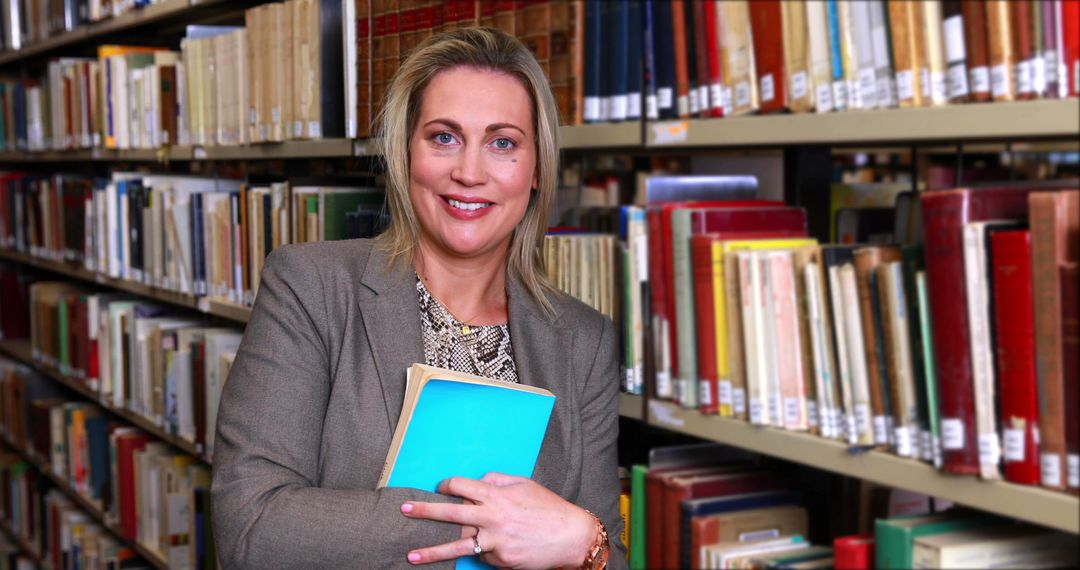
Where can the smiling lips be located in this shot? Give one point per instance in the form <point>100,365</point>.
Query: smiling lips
<point>466,209</point>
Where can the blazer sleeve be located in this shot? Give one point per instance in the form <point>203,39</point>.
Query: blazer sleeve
<point>268,511</point>
<point>600,430</point>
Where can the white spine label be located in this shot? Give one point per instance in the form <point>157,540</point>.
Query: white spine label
<point>775,416</point>
<point>1014,445</point>
<point>740,400</point>
<point>980,79</point>
<point>999,80</point>
<point>705,392</point>
<point>1024,83</point>
<point>755,412</point>
<point>862,419</point>
<point>881,430</point>
<point>840,94</point>
<point>792,411</point>
<point>716,96</point>
<point>665,97</point>
<point>824,99</point>
<point>904,443</point>
<point>989,449</point>
<point>725,396</point>
<point>768,88</point>
<point>812,414</point>
<point>742,94</point>
<point>958,81</point>
<point>799,85</point>
<point>1050,467</point>
<point>1074,470</point>
<point>952,433</point>
<point>905,84</point>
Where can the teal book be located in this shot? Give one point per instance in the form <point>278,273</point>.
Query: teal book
<point>459,425</point>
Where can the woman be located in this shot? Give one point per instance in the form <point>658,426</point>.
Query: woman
<point>469,133</point>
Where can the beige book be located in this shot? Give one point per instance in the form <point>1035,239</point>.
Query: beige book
<point>996,547</point>
<point>243,93</point>
<point>306,79</point>
<point>281,87</point>
<point>906,61</point>
<point>801,258</point>
<point>898,356</point>
<point>1002,55</point>
<point>860,422</point>
<point>739,48</point>
<point>797,56</point>
<point>254,75</point>
<point>817,31</point>
<point>267,89</point>
<point>933,79</point>
<point>849,54</point>
<point>826,375</point>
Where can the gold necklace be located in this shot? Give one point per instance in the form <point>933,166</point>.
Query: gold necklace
<point>465,328</point>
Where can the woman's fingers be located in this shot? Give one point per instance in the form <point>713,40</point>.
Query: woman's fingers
<point>465,488</point>
<point>503,480</point>
<point>471,515</point>
<point>449,551</point>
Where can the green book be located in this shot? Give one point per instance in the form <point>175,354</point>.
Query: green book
<point>933,416</point>
<point>336,202</point>
<point>64,348</point>
<point>912,264</point>
<point>637,516</point>
<point>685,329</point>
<point>894,538</point>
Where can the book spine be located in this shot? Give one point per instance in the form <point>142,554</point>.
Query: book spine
<point>703,270</point>
<point>976,47</point>
<point>682,44</point>
<point>1002,49</point>
<point>1070,45</point>
<point>1015,351</point>
<point>768,32</point>
<point>978,306</point>
<point>1070,349</point>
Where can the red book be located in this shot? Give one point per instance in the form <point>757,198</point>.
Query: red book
<point>658,301</point>
<point>126,446</point>
<point>702,262</point>
<point>664,258</point>
<point>1070,40</point>
<point>712,54</point>
<point>767,29</point>
<point>855,552</point>
<point>1022,46</point>
<point>655,533</point>
<point>678,489</point>
<point>944,215</point>
<point>682,73</point>
<point>1070,348</point>
<point>1015,352</point>
<point>198,376</point>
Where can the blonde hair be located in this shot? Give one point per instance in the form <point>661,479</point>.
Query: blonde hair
<point>481,48</point>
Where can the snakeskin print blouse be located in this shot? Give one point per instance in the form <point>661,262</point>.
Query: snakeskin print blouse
<point>449,343</point>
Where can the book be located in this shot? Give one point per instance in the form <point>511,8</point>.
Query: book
<point>744,525</point>
<point>1002,49</point>
<point>1070,349</point>
<point>1054,224</point>
<point>1002,546</point>
<point>894,538</point>
<point>855,551</point>
<point>423,452</point>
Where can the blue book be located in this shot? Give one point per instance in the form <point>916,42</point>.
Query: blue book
<point>648,54</point>
<point>635,26</point>
<point>508,420</point>
<point>664,59</point>
<point>836,51</point>
<point>594,72</point>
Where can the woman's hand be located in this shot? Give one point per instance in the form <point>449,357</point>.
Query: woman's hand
<point>517,522</point>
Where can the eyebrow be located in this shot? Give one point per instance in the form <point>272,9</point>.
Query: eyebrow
<point>490,128</point>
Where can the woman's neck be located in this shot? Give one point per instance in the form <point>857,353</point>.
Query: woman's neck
<point>472,289</point>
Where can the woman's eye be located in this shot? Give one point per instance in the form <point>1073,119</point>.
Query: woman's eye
<point>504,144</point>
<point>444,138</point>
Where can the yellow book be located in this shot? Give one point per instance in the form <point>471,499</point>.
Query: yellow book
<point>624,513</point>
<point>732,386</point>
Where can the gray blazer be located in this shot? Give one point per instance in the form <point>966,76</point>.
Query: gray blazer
<point>314,395</point>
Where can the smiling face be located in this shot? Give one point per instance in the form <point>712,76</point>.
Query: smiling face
<point>472,161</point>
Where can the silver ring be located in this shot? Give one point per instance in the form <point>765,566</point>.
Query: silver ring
<point>476,546</point>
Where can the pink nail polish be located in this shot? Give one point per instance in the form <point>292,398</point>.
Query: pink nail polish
<point>414,557</point>
<point>406,507</point>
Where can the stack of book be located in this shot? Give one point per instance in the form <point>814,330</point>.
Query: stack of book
<point>952,342</point>
<point>135,356</point>
<point>108,466</point>
<point>27,23</point>
<point>203,236</point>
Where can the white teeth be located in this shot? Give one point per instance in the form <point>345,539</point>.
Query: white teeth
<point>466,205</point>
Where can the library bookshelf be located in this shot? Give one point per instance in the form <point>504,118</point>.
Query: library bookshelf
<point>1028,503</point>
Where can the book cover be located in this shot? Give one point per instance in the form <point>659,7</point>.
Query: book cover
<point>423,452</point>
<point>1070,348</point>
<point>855,552</point>
<point>768,33</point>
<point>976,47</point>
<point>1002,49</point>
<point>743,525</point>
<point>895,537</point>
<point>944,214</point>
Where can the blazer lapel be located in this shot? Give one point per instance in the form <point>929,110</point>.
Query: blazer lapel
<point>542,356</point>
<point>391,316</point>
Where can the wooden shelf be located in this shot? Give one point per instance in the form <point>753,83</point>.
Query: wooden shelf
<point>600,136</point>
<point>631,406</point>
<point>218,309</point>
<point>1022,120</point>
<point>101,517</point>
<point>21,351</point>
<point>325,148</point>
<point>1028,503</point>
<point>97,30</point>
<point>24,547</point>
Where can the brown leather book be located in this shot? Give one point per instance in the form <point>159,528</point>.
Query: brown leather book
<point>701,58</point>
<point>1070,348</point>
<point>907,62</point>
<point>867,259</point>
<point>561,38</point>
<point>1055,239</point>
<point>767,31</point>
<point>167,119</point>
<point>1022,39</point>
<point>578,63</point>
<point>977,49</point>
<point>682,75</point>
<point>363,67</point>
<point>1002,50</point>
